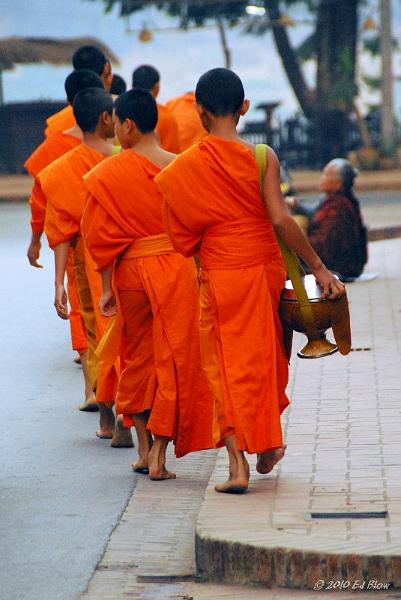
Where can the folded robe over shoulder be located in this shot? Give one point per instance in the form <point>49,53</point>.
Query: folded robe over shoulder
<point>159,300</point>
<point>62,183</point>
<point>213,207</point>
<point>60,121</point>
<point>48,151</point>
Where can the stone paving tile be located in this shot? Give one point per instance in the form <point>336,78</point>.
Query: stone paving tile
<point>343,432</point>
<point>155,536</point>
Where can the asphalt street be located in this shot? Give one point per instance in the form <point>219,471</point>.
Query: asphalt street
<point>62,490</point>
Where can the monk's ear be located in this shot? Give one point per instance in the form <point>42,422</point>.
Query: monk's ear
<point>200,110</point>
<point>245,107</point>
<point>129,126</point>
<point>155,89</point>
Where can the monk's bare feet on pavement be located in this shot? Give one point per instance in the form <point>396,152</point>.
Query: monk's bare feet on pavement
<point>268,460</point>
<point>122,437</point>
<point>141,466</point>
<point>106,422</point>
<point>89,404</point>
<point>157,461</point>
<point>145,442</point>
<point>238,481</point>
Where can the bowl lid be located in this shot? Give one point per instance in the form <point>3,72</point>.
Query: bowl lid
<point>313,289</point>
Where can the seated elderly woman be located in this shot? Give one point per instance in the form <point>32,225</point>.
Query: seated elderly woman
<point>336,229</point>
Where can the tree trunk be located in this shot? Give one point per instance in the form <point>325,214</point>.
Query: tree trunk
<point>224,43</point>
<point>336,37</point>
<point>289,59</point>
<point>332,102</point>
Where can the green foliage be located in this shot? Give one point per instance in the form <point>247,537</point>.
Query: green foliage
<point>387,149</point>
<point>374,83</point>
<point>307,50</point>
<point>194,11</point>
<point>198,11</point>
<point>372,44</point>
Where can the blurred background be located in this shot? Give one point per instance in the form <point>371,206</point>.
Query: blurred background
<point>323,76</point>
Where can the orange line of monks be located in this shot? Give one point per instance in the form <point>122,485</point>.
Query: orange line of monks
<point>156,215</point>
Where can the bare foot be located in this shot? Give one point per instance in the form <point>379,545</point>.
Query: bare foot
<point>161,474</point>
<point>89,405</point>
<point>238,481</point>
<point>268,460</point>
<point>141,466</point>
<point>122,437</point>
<point>232,486</point>
<point>157,461</point>
<point>106,422</point>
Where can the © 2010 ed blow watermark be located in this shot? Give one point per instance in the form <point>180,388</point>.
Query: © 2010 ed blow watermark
<point>346,584</point>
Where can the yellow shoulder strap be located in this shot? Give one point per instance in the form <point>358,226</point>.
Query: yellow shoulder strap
<point>292,264</point>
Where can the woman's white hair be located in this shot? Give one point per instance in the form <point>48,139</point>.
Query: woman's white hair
<point>346,171</point>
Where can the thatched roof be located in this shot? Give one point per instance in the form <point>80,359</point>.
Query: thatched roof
<point>26,50</point>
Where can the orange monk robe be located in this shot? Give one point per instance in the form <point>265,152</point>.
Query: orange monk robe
<point>213,208</point>
<point>63,185</point>
<point>52,148</point>
<point>190,128</point>
<point>60,121</point>
<point>167,130</point>
<point>158,297</point>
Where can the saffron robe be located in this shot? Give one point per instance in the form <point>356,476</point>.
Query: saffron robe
<point>213,207</point>
<point>52,148</point>
<point>62,182</point>
<point>167,130</point>
<point>190,128</point>
<point>158,298</point>
<point>60,121</point>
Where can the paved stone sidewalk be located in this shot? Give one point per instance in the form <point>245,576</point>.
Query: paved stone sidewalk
<point>151,553</point>
<point>155,537</point>
<point>344,455</point>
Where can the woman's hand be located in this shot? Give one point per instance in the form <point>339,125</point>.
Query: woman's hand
<point>332,288</point>
<point>107,304</point>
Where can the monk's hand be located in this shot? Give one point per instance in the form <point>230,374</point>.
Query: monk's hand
<point>107,304</point>
<point>33,254</point>
<point>60,301</point>
<point>332,288</point>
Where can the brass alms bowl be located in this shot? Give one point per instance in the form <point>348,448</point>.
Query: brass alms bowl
<point>326,313</point>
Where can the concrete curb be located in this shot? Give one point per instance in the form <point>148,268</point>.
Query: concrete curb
<point>14,198</point>
<point>279,566</point>
<point>284,560</point>
<point>384,233</point>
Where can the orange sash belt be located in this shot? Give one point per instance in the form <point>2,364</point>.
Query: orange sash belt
<point>239,244</point>
<point>152,245</point>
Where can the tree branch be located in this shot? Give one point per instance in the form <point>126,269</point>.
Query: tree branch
<point>288,56</point>
<point>223,40</point>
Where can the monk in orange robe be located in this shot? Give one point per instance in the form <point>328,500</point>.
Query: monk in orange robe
<point>62,183</point>
<point>52,148</point>
<point>213,206</point>
<point>162,385</point>
<point>85,57</point>
<point>190,128</point>
<point>59,121</point>
<point>147,78</point>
